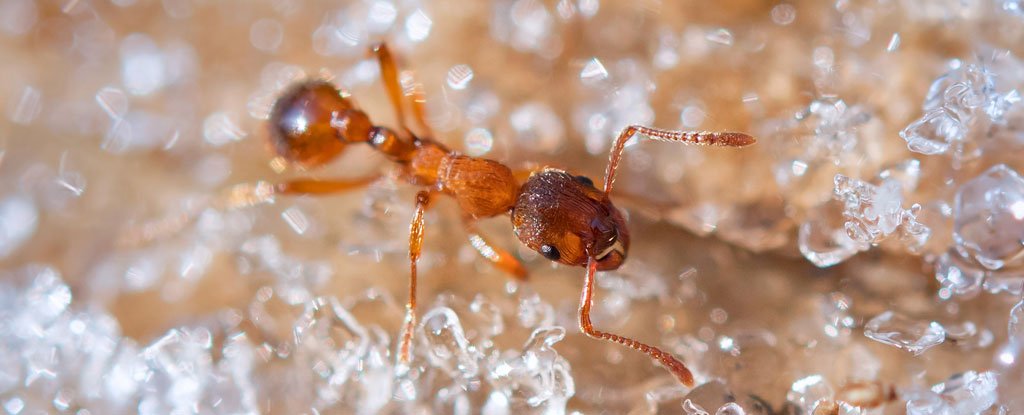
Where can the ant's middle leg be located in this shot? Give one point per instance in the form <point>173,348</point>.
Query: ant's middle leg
<point>397,94</point>
<point>502,259</point>
<point>423,199</point>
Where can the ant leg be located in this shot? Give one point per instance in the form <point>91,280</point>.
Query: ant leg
<point>501,258</point>
<point>586,298</point>
<point>236,197</point>
<point>389,74</point>
<point>322,187</point>
<point>415,247</point>
<point>725,139</point>
<point>251,194</point>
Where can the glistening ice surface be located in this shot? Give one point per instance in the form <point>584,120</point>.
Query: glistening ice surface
<point>865,257</point>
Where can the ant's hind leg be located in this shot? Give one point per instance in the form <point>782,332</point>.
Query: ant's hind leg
<point>389,75</point>
<point>500,258</point>
<point>586,302</point>
<point>423,199</point>
<point>397,94</point>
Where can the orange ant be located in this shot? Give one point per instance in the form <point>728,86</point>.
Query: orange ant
<point>562,216</point>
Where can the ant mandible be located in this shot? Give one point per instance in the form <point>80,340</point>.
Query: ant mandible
<point>562,216</point>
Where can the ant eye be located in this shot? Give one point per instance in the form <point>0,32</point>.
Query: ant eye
<point>585,180</point>
<point>550,252</point>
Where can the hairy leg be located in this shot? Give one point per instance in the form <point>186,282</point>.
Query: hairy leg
<point>423,199</point>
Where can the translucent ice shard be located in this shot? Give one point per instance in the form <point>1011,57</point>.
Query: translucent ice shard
<point>989,218</point>
<point>446,346</point>
<point>807,391</point>
<point>823,240</point>
<point>910,335</point>
<point>731,408</point>
<point>927,403</point>
<point>538,380</point>
<point>934,133</point>
<point>691,408</point>
<point>180,366</point>
<point>955,103</point>
<point>1015,325</point>
<point>957,277</point>
<point>873,213</point>
<point>969,392</point>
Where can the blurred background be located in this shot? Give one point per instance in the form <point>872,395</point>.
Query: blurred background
<point>866,256</point>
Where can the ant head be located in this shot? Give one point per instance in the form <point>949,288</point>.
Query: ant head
<point>308,121</point>
<point>567,219</point>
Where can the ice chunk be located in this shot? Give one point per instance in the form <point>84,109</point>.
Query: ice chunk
<point>446,346</point>
<point>823,240</point>
<point>538,379</point>
<point>873,213</point>
<point>915,336</point>
<point>806,392</point>
<point>989,218</point>
<point>957,277</point>
<point>969,392</point>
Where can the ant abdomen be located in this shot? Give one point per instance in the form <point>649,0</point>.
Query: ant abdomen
<point>311,123</point>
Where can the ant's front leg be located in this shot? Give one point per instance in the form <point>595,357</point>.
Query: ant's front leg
<point>500,258</point>
<point>423,199</point>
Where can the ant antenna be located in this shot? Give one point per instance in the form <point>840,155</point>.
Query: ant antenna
<point>727,139</point>
<point>706,138</point>
<point>677,368</point>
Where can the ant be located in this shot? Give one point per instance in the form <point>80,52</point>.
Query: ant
<point>564,217</point>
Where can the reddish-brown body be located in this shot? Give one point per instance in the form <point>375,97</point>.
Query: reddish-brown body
<point>564,217</point>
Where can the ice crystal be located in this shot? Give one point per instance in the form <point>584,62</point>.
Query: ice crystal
<point>990,218</point>
<point>911,335</point>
